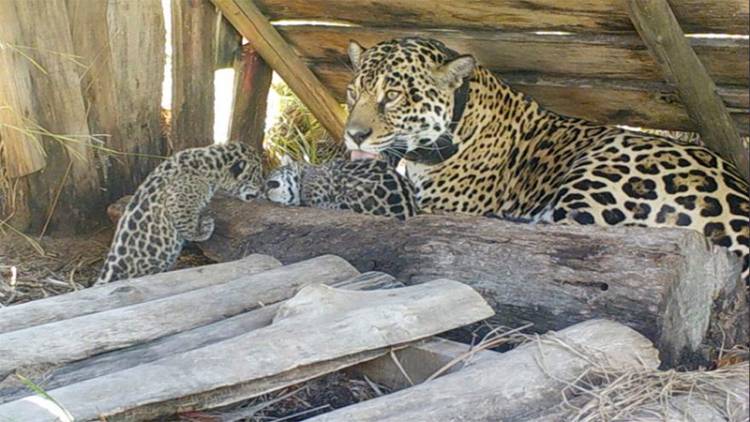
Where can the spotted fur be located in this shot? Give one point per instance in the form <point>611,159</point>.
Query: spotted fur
<point>166,209</point>
<point>514,159</point>
<point>364,186</point>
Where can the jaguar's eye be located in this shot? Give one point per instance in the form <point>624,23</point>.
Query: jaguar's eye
<point>392,95</point>
<point>350,95</point>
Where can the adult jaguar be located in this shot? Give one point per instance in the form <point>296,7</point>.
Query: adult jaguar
<point>473,145</point>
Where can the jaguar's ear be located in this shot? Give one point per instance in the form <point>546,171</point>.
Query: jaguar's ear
<point>355,54</point>
<point>452,74</point>
<point>237,168</point>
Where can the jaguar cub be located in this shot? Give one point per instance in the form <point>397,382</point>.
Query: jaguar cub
<point>364,186</point>
<point>166,209</point>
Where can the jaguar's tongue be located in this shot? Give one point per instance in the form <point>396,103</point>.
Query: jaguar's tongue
<point>363,155</point>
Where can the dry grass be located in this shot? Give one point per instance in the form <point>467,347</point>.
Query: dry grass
<point>606,392</point>
<point>641,393</point>
<point>31,269</point>
<point>297,136</point>
<point>294,403</point>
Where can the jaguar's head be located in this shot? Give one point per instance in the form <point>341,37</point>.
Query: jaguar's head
<point>283,185</point>
<point>243,175</point>
<point>404,99</point>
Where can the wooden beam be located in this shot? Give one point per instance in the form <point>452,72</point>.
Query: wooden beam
<point>574,56</point>
<point>252,81</point>
<point>193,57</point>
<point>251,23</point>
<point>576,16</point>
<point>129,292</point>
<point>552,275</point>
<point>659,29</point>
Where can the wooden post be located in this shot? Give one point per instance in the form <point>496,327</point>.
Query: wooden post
<point>228,43</point>
<point>662,34</point>
<point>251,23</point>
<point>22,153</point>
<point>66,195</point>
<point>193,56</point>
<point>252,80</point>
<point>120,81</point>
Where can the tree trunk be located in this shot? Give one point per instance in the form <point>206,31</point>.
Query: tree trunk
<point>551,275</point>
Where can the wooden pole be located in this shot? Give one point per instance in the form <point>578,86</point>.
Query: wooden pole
<point>252,80</point>
<point>193,43</point>
<point>662,34</point>
<point>251,23</point>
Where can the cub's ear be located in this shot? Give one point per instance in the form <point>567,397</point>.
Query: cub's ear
<point>237,168</point>
<point>355,54</point>
<point>452,74</point>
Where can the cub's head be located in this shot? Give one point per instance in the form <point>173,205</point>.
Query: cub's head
<point>404,97</point>
<point>283,185</point>
<point>242,170</point>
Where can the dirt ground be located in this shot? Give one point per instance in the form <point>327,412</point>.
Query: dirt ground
<point>37,268</point>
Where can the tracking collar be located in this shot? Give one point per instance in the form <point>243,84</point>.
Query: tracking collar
<point>443,147</point>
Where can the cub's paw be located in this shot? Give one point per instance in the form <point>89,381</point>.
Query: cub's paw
<point>205,229</point>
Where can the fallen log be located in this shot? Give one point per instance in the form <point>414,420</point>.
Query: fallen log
<point>118,360</point>
<point>81,337</point>
<point>511,385</point>
<point>671,285</point>
<point>319,326</point>
<point>129,292</point>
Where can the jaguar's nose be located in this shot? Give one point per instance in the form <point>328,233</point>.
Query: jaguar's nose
<point>272,184</point>
<point>359,135</point>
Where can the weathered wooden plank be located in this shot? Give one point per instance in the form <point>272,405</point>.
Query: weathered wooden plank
<point>252,81</point>
<point>129,292</point>
<point>650,105</point>
<point>696,16</point>
<point>513,384</point>
<point>661,32</point>
<point>22,153</point>
<point>193,56</point>
<point>67,192</point>
<point>573,55</point>
<point>550,275</point>
<point>195,338</point>
<point>78,338</point>
<point>121,48</point>
<point>251,23</point>
<point>318,325</point>
<point>419,362</point>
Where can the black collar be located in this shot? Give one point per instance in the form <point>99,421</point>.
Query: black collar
<point>443,147</point>
<point>460,98</point>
